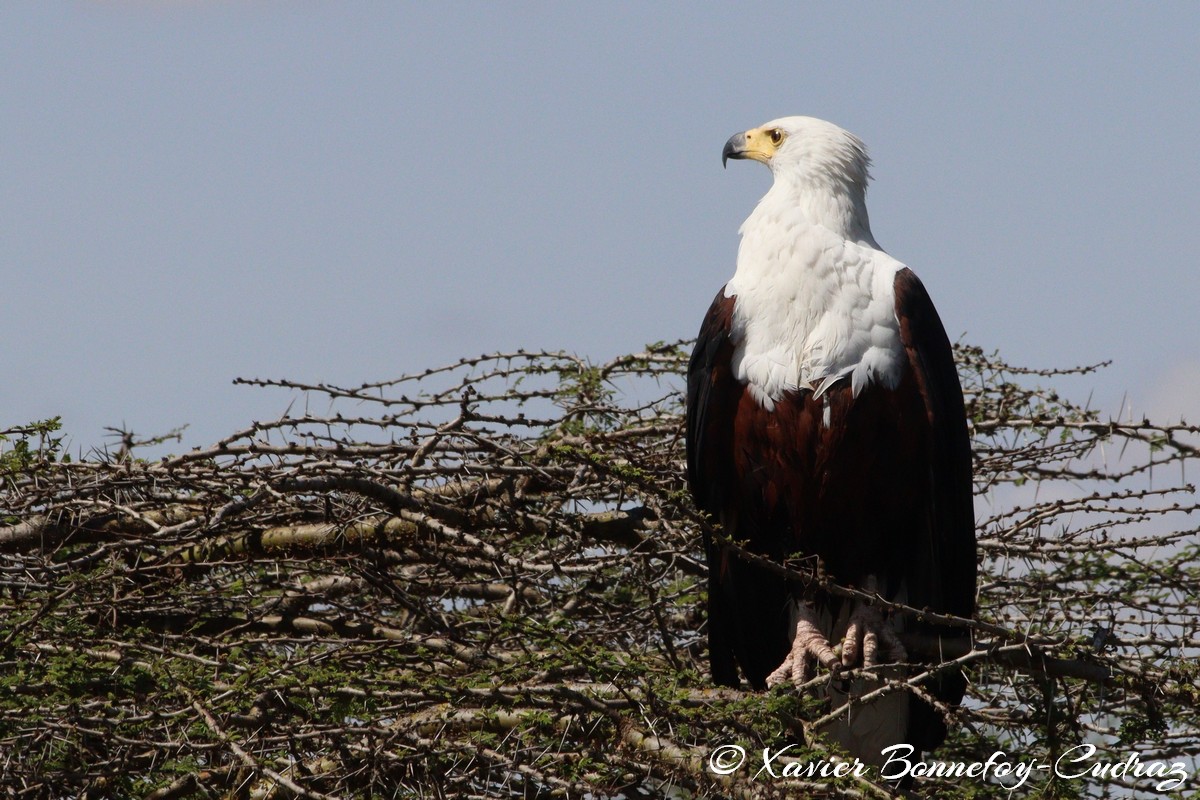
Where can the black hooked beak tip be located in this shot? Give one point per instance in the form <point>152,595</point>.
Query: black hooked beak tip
<point>734,148</point>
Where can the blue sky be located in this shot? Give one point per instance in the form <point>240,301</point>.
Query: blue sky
<point>198,191</point>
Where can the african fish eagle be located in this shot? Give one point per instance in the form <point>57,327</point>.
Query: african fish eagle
<point>825,421</point>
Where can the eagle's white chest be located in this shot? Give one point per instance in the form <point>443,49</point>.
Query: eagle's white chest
<point>811,308</point>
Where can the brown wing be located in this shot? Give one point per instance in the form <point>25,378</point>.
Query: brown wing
<point>712,400</point>
<point>943,576</point>
<point>712,395</point>
<point>947,572</point>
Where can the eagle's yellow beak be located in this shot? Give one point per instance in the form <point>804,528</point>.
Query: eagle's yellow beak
<point>757,143</point>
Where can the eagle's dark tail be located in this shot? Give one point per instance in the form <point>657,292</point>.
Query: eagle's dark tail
<point>755,637</point>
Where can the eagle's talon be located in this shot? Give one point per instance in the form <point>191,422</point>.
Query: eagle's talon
<point>809,647</point>
<point>870,641</point>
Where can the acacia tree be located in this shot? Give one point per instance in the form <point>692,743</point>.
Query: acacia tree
<point>487,580</point>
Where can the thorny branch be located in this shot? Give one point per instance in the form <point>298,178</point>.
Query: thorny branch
<point>486,580</point>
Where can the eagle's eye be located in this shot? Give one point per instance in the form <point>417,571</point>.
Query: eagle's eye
<point>777,136</point>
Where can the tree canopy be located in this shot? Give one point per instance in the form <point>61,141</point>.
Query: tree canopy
<point>487,580</point>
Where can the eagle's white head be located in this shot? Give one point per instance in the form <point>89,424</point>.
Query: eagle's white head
<point>817,166</point>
